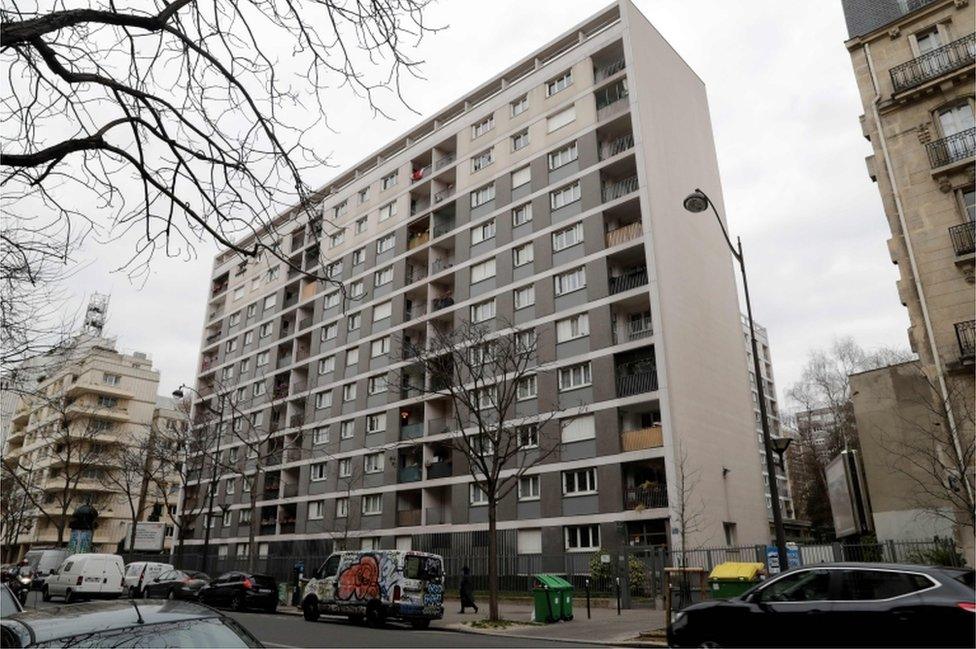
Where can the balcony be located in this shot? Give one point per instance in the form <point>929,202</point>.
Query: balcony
<point>418,240</point>
<point>443,162</point>
<point>290,490</point>
<point>639,327</point>
<point>645,497</point>
<point>444,194</point>
<point>608,70</point>
<point>439,470</point>
<point>613,190</point>
<point>640,439</point>
<point>438,516</point>
<point>408,517</point>
<point>966,337</point>
<point>617,146</point>
<point>629,280</point>
<point>637,374</point>
<point>296,420</point>
<point>409,474</point>
<point>962,238</point>
<point>412,431</point>
<point>440,229</point>
<point>611,100</point>
<point>931,65</point>
<point>624,234</point>
<point>952,149</point>
<point>442,303</point>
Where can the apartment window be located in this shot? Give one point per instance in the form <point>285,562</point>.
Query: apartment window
<point>258,389</point>
<point>349,392</point>
<point>273,273</point>
<point>527,388</point>
<point>340,209</point>
<point>269,302</point>
<point>261,359</point>
<point>107,402</point>
<point>577,429</point>
<point>266,330</point>
<point>354,321</point>
<point>357,289</point>
<point>327,365</point>
<point>521,177</point>
<point>477,495</point>
<point>235,319</point>
<point>572,280</point>
<point>329,331</point>
<point>524,296</point>
<point>376,423</point>
<point>389,180</point>
<point>928,40</point>
<point>968,197</point>
<point>382,277</point>
<point>372,504</point>
<point>582,538</point>
<point>520,140</point>
<point>227,373</point>
<point>482,127</point>
<point>523,254</point>
<point>316,510</point>
<point>382,311</point>
<point>561,82</point>
<point>579,482</point>
<point>482,271</point>
<point>528,487</point>
<point>352,357</point>
<point>485,398</point>
<point>387,211</point>
<point>482,160</point>
<point>385,243</point>
<point>522,214</point>
<point>379,347</point>
<point>248,337</point>
<point>331,300</point>
<point>482,195</point>
<point>358,256</point>
<point>376,384</point>
<point>483,311</point>
<point>561,119</point>
<point>333,270</point>
<point>483,232</point>
<point>563,156</point>
<point>479,354</point>
<point>321,435</point>
<point>345,467</point>
<point>337,238</point>
<point>255,283</point>
<point>245,516</point>
<point>238,293</point>
<point>252,310</point>
<point>226,518</point>
<point>257,418</point>
<point>318,472</point>
<point>574,376</point>
<point>342,507</point>
<point>323,400</point>
<point>373,462</point>
<point>230,345</point>
<point>245,365</point>
<point>525,340</point>
<point>527,437</point>
<point>230,486</point>
<point>347,429</point>
<point>564,195</point>
<point>111,379</point>
<point>576,326</point>
<point>520,105</point>
<point>364,194</point>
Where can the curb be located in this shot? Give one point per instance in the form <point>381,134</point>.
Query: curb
<point>634,642</point>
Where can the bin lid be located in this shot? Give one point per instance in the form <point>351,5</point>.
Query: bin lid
<point>551,581</point>
<point>737,571</point>
<point>559,582</point>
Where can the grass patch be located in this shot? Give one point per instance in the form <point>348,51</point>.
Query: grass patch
<point>498,624</point>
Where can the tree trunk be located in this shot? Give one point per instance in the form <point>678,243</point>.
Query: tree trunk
<point>132,533</point>
<point>492,559</point>
<point>252,552</point>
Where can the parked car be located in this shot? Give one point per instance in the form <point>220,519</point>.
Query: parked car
<point>842,604</point>
<point>9,604</point>
<point>240,590</point>
<point>124,624</point>
<point>377,585</point>
<point>140,573</point>
<point>176,584</point>
<point>42,562</point>
<point>87,575</point>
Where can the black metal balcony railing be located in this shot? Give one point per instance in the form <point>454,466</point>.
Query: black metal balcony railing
<point>639,383</point>
<point>954,148</point>
<point>645,497</point>
<point>615,146</point>
<point>966,337</point>
<point>614,190</point>
<point>962,238</point>
<point>630,279</point>
<point>931,65</point>
<point>608,70</point>
<point>439,470</point>
<point>409,474</point>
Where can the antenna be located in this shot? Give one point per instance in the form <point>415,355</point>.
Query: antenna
<point>96,314</point>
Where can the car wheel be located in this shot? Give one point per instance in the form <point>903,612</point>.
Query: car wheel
<point>237,603</point>
<point>69,596</point>
<point>420,624</point>
<point>310,609</point>
<point>45,595</point>
<point>375,615</point>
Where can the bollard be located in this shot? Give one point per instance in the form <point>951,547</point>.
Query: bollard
<point>587,598</point>
<point>618,595</point>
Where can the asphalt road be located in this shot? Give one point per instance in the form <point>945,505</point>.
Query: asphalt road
<point>283,630</point>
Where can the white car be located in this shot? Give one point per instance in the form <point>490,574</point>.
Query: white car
<point>140,573</point>
<point>87,576</point>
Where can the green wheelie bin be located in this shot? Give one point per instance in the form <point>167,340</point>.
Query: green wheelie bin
<point>547,599</point>
<point>732,578</point>
<point>566,593</point>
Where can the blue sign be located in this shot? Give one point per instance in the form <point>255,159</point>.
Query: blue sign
<point>792,557</point>
<point>80,541</point>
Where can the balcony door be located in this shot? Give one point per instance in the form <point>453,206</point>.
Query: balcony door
<point>955,121</point>
<point>926,42</point>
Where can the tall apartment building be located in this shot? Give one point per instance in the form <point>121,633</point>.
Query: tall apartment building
<point>107,398</point>
<point>772,413</point>
<point>913,62</point>
<point>551,197</point>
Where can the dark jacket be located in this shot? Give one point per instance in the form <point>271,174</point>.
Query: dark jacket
<point>466,591</point>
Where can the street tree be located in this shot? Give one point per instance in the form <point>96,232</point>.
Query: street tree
<point>485,374</point>
<point>130,464</point>
<point>15,504</point>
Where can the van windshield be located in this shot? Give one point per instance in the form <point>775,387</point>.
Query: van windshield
<point>417,567</point>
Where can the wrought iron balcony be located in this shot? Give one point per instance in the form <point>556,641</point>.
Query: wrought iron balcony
<point>409,474</point>
<point>614,190</point>
<point>966,337</point>
<point>652,497</point>
<point>931,65</point>
<point>636,383</point>
<point>630,279</point>
<point>439,470</point>
<point>954,148</point>
<point>962,238</point>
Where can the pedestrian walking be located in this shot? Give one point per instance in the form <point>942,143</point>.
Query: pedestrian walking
<point>467,591</point>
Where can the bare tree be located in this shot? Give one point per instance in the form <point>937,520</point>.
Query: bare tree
<point>15,505</point>
<point>689,506</point>
<point>483,375</point>
<point>131,463</point>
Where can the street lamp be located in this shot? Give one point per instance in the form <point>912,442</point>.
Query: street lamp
<point>698,201</point>
<point>178,393</point>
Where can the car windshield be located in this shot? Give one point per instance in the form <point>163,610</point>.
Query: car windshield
<point>210,632</point>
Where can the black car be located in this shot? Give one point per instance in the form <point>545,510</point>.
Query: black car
<point>126,623</point>
<point>176,584</point>
<point>851,605</point>
<point>239,591</point>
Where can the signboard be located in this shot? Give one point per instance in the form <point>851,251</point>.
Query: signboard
<point>848,497</point>
<point>149,536</point>
<point>80,541</point>
<point>792,557</point>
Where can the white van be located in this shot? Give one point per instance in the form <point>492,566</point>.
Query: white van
<point>87,576</point>
<point>42,562</point>
<point>140,573</point>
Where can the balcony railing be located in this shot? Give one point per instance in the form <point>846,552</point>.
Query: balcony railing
<point>624,234</point>
<point>442,264</point>
<point>954,148</point>
<point>441,229</point>
<point>931,65</point>
<point>409,474</point>
<point>444,193</point>
<point>439,470</point>
<point>619,145</point>
<point>412,431</point>
<point>438,516</point>
<point>418,207</point>
<point>608,70</point>
<point>290,490</point>
<point>962,238</point>
<point>407,517</point>
<point>630,279</point>
<point>645,498</point>
<point>442,303</point>
<point>966,337</point>
<point>640,328</point>
<point>640,439</point>
<point>414,311</point>
<point>638,383</point>
<point>614,190</point>
<point>443,162</point>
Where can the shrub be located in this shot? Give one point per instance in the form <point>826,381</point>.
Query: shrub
<point>605,572</point>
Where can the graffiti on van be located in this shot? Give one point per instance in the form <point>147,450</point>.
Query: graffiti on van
<point>360,579</point>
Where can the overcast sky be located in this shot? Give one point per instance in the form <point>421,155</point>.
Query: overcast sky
<point>785,114</point>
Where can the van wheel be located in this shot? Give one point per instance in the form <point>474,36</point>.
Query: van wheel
<point>45,595</point>
<point>375,615</point>
<point>420,624</point>
<point>171,594</point>
<point>237,604</point>
<point>310,609</point>
<point>69,596</point>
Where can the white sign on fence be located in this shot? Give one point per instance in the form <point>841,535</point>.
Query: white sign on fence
<point>149,536</point>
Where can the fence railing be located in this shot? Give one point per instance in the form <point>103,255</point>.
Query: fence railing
<point>639,383</point>
<point>623,234</point>
<point>614,190</point>
<point>618,145</point>
<point>953,148</point>
<point>962,238</point>
<point>608,70</point>
<point>948,58</point>
<point>630,279</point>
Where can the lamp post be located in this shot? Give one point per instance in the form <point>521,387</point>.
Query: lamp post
<point>695,202</point>
<point>178,393</point>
